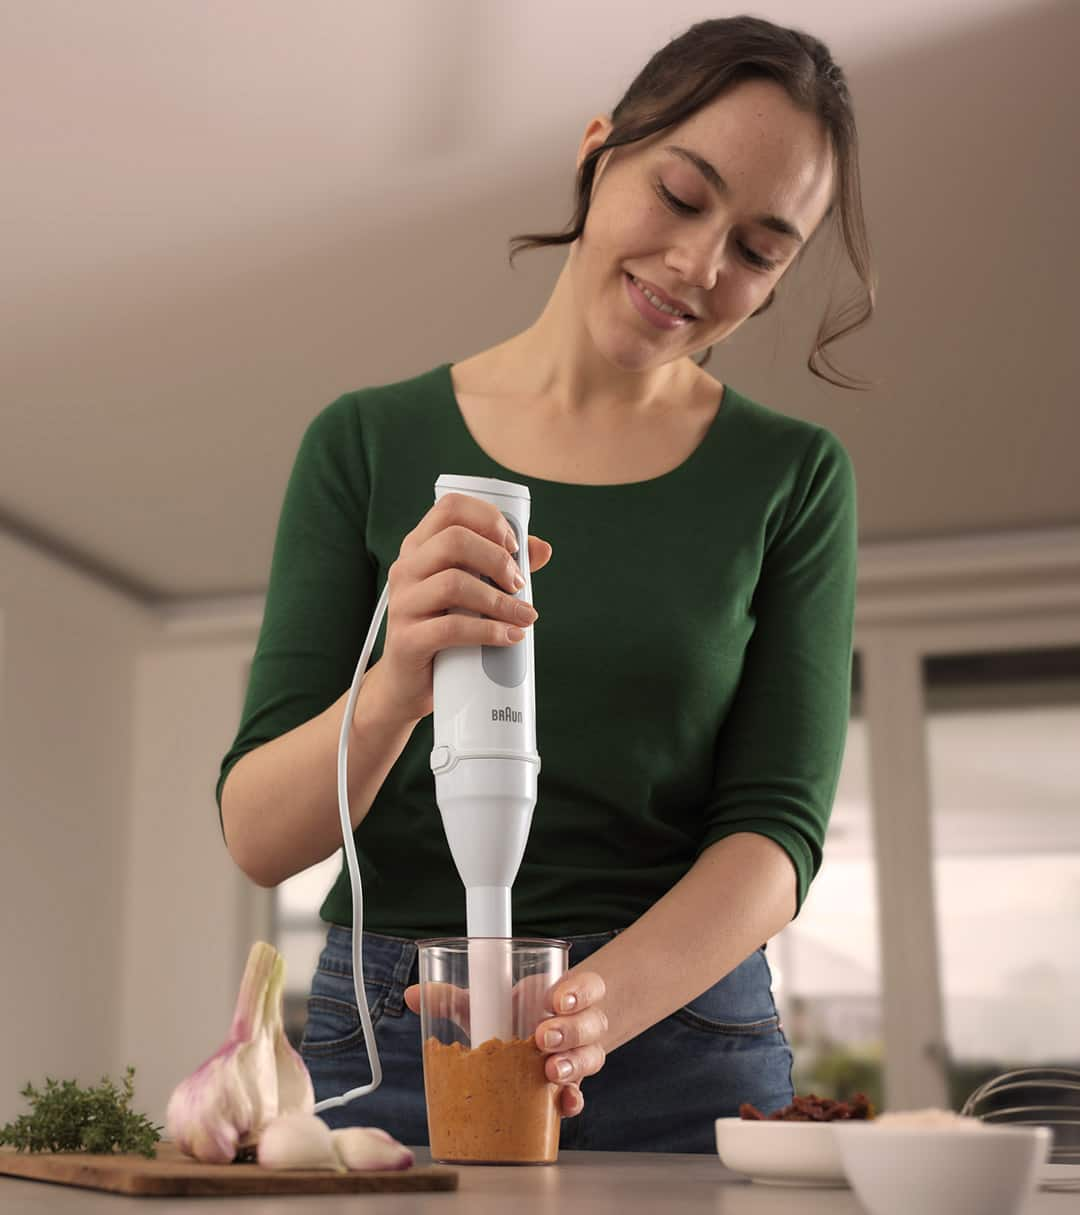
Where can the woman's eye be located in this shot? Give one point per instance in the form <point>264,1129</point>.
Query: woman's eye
<point>682,208</point>
<point>755,259</point>
<point>676,204</point>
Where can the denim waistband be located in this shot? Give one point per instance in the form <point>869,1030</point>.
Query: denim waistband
<point>397,956</point>
<point>339,935</point>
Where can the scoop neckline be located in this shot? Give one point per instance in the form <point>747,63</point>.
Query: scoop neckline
<point>726,394</point>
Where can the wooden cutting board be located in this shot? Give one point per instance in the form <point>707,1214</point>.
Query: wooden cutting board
<point>171,1172</point>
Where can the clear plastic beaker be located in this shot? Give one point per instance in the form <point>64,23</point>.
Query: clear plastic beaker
<point>489,1101</point>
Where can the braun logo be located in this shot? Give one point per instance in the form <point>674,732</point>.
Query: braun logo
<point>506,714</point>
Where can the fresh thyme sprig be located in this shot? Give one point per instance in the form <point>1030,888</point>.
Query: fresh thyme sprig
<point>67,1118</point>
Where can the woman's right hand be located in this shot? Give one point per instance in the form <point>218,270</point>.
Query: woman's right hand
<point>430,582</point>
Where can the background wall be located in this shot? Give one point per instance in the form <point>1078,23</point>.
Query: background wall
<point>67,726</point>
<point>190,914</point>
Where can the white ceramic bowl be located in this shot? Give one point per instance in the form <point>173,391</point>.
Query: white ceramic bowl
<point>780,1153</point>
<point>988,1170</point>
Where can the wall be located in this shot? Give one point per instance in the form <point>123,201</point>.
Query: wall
<point>126,925</point>
<point>191,914</point>
<point>66,690</point>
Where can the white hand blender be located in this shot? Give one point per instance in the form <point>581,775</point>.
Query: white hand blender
<point>486,767</point>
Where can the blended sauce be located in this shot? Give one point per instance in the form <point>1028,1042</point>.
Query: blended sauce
<point>491,1105</point>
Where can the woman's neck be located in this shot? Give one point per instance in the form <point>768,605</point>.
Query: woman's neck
<point>556,360</point>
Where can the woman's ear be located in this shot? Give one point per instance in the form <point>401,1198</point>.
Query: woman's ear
<point>596,132</point>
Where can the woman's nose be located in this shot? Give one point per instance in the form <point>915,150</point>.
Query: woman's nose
<point>700,260</point>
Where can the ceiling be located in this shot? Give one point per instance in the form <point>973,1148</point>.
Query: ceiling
<point>219,217</point>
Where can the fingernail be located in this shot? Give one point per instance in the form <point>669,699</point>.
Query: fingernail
<point>511,541</point>
<point>552,1039</point>
<point>564,1068</point>
<point>567,1001</point>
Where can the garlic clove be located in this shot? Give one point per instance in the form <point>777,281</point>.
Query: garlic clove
<point>368,1147</point>
<point>211,1113</point>
<point>380,1133</point>
<point>296,1094</point>
<point>208,1111</point>
<point>298,1141</point>
<point>257,1069</point>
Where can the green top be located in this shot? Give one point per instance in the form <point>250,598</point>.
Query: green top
<point>692,655</point>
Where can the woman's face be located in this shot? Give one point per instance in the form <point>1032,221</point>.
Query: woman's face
<point>716,242</point>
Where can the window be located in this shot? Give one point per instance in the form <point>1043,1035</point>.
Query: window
<point>299,934</point>
<point>825,964</point>
<point>1003,734</point>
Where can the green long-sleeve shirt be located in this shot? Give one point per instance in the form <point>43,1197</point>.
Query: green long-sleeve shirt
<point>693,653</point>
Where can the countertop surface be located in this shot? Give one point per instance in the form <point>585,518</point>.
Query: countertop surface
<point>582,1183</point>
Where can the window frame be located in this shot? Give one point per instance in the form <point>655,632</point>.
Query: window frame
<point>914,601</point>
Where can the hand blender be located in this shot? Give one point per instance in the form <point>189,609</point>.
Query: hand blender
<point>486,766</point>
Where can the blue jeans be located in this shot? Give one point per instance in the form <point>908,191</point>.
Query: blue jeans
<point>659,1092</point>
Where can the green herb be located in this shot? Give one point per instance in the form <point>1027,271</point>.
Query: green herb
<point>67,1118</point>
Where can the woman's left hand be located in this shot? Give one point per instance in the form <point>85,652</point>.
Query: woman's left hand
<point>572,1037</point>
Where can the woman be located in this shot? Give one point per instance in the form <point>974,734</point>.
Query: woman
<point>693,659</point>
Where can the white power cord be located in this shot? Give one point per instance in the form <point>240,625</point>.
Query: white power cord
<point>354,868</point>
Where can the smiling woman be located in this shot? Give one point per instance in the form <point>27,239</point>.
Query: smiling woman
<point>693,666</point>
<point>691,86</point>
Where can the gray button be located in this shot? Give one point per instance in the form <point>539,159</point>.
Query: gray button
<point>505,664</point>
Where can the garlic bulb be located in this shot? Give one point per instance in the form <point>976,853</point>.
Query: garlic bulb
<point>255,1075</point>
<point>368,1147</point>
<point>298,1141</point>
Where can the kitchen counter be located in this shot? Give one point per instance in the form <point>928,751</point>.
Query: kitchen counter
<point>582,1183</point>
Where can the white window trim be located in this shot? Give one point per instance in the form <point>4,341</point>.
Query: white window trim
<point>975,595</point>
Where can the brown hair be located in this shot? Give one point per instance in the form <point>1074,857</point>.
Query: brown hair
<point>692,71</point>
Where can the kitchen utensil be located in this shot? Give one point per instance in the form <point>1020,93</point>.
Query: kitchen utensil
<point>171,1172</point>
<point>488,1098</point>
<point>485,765</point>
<point>1037,1096</point>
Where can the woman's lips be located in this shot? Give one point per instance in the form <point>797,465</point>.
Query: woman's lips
<point>661,320</point>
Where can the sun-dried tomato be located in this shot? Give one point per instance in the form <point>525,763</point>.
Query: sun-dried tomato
<point>812,1109</point>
